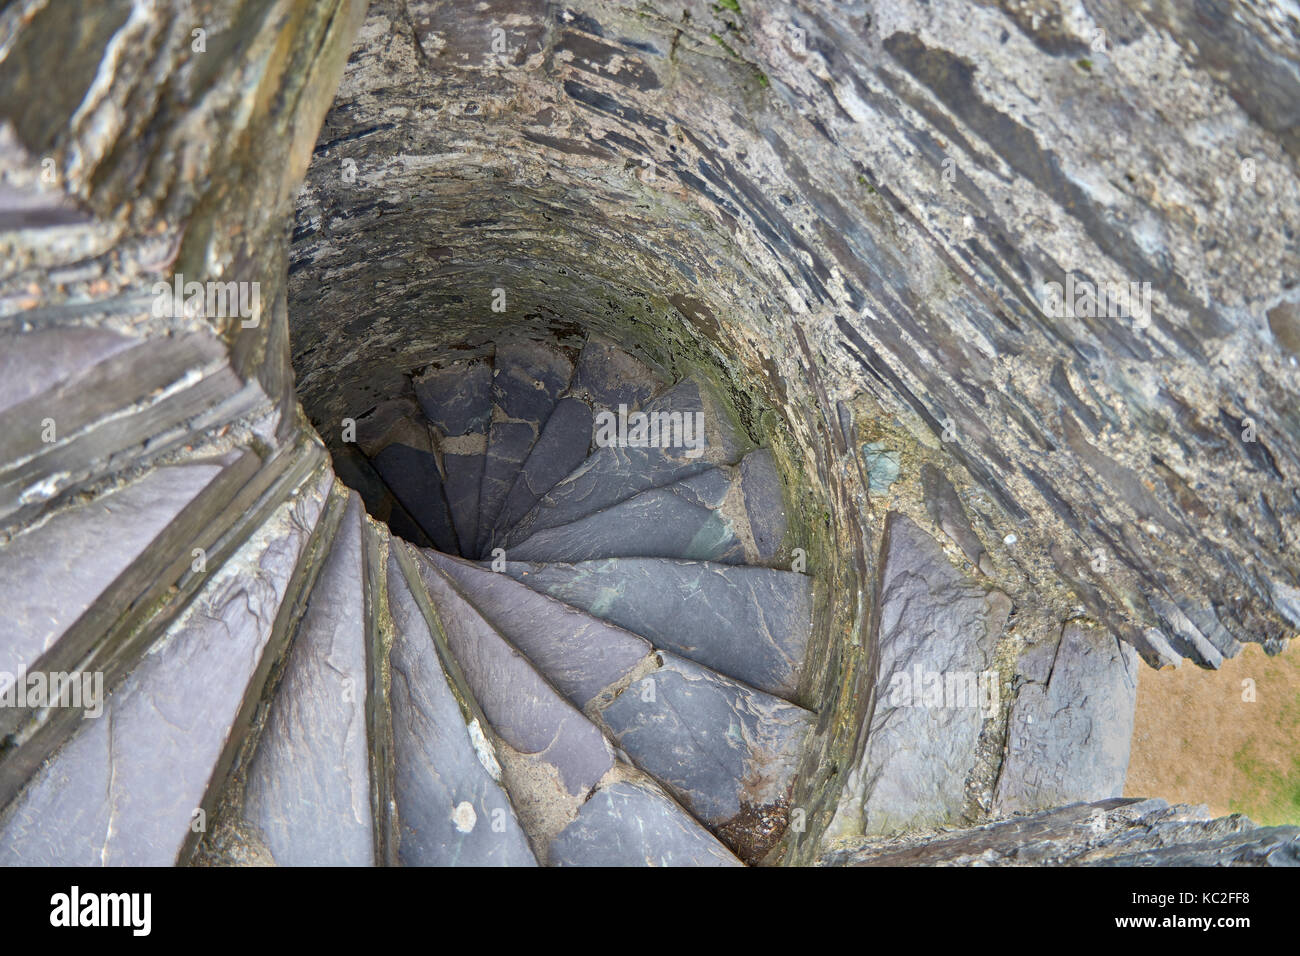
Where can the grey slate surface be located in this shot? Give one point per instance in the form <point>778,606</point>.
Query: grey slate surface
<point>32,362</point>
<point>451,807</point>
<point>307,789</point>
<point>936,625</point>
<point>713,743</point>
<point>79,553</point>
<point>522,707</point>
<point>608,376</point>
<point>124,788</point>
<point>634,824</point>
<point>412,474</point>
<point>751,624</point>
<point>1069,732</point>
<point>579,654</point>
<point>764,503</point>
<point>457,401</point>
<point>681,520</point>
<point>562,446</point>
<point>613,474</point>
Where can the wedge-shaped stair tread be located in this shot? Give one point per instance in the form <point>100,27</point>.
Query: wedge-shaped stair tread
<point>581,655</point>
<point>606,376</point>
<point>307,789</point>
<point>452,809</point>
<point>124,789</point>
<point>531,717</point>
<point>412,474</point>
<point>79,553</point>
<point>720,747</point>
<point>615,472</point>
<point>562,447</point>
<point>527,382</point>
<point>457,400</point>
<point>630,823</point>
<point>749,623</point>
<point>681,520</point>
<point>35,362</point>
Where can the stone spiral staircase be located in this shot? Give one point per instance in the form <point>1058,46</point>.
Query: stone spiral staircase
<point>620,691</point>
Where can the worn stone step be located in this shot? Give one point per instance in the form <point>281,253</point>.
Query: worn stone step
<point>633,823</point>
<point>146,398</point>
<point>606,376</point>
<point>614,472</point>
<point>562,446</point>
<point>726,751</point>
<point>579,654</point>
<point>748,623</point>
<point>558,766</point>
<point>457,401</point>
<point>528,380</point>
<point>136,785</point>
<point>356,471</point>
<point>682,520</point>
<point>307,790</point>
<point>452,808</point>
<point>412,474</point>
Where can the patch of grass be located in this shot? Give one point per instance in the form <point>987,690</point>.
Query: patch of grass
<point>732,5</point>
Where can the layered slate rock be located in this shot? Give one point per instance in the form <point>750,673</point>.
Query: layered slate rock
<point>682,520</point>
<point>1114,832</point>
<point>751,624</point>
<point>936,685</point>
<point>616,472</point>
<point>606,377</point>
<point>452,809</point>
<point>528,380</point>
<point>562,446</point>
<point>411,471</point>
<point>128,786</point>
<point>307,790</point>
<point>1071,723</point>
<point>457,401</point>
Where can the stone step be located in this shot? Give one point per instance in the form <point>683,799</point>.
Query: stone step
<point>527,382</point>
<point>452,809</point>
<point>725,751</point>
<point>606,376</point>
<point>136,785</point>
<point>682,520</point>
<point>356,471</point>
<point>751,624</point>
<point>144,398</point>
<point>561,772</point>
<point>614,472</point>
<point>306,792</point>
<point>563,445</point>
<point>410,468</point>
<point>457,401</point>
<point>633,823</point>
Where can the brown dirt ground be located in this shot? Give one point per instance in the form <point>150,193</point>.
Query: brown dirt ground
<point>1195,740</point>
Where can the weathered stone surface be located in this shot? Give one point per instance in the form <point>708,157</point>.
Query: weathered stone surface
<point>33,363</point>
<point>307,790</point>
<point>606,376</point>
<point>79,553</point>
<point>1070,728</point>
<point>764,504</point>
<point>528,379</point>
<point>613,474</point>
<point>748,623</point>
<point>526,711</point>
<point>579,654</point>
<point>716,745</point>
<point>633,824</point>
<point>412,474</point>
<point>936,686</point>
<point>451,807</point>
<point>682,520</point>
<point>562,446</point>
<point>1115,832</point>
<point>126,787</point>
